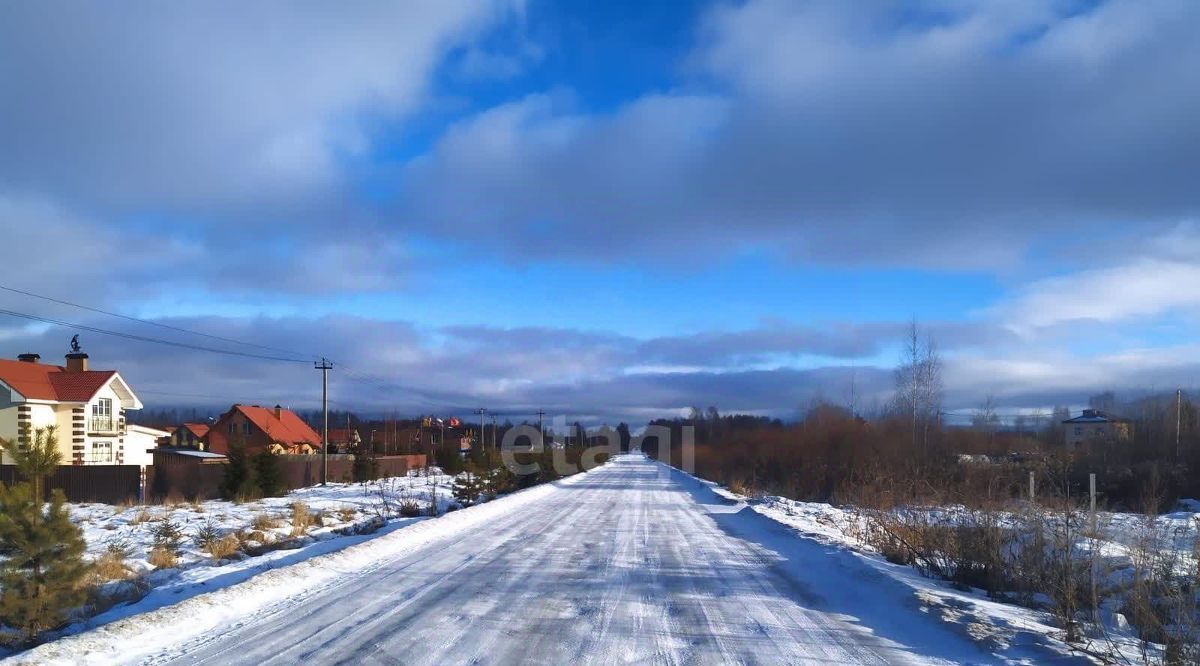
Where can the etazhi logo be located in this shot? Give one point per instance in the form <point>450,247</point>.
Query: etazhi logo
<point>524,449</point>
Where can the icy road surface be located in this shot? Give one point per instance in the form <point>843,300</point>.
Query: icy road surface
<point>630,563</point>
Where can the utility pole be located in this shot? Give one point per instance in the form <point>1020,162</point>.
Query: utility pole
<point>481,411</point>
<point>1178,420</point>
<point>541,432</point>
<point>324,366</point>
<point>493,431</point>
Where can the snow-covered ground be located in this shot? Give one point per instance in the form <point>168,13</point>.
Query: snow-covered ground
<point>632,562</point>
<point>341,507</point>
<point>1120,539</point>
<point>349,514</point>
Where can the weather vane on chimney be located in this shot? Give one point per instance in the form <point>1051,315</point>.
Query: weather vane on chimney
<point>75,344</point>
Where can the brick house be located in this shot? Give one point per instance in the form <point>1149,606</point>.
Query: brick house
<point>1094,425</point>
<point>86,406</point>
<point>276,429</point>
<point>189,436</point>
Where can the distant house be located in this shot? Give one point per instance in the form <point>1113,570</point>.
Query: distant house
<point>464,442</point>
<point>189,436</point>
<point>396,440</point>
<point>344,439</point>
<point>276,429</point>
<point>87,407</point>
<point>1095,426</point>
<point>140,442</point>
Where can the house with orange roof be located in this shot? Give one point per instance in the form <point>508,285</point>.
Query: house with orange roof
<point>273,429</point>
<point>190,436</point>
<point>86,406</point>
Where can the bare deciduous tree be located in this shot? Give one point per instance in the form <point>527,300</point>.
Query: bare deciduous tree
<point>985,419</point>
<point>919,384</point>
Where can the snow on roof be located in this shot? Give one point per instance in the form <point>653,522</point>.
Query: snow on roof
<point>1096,416</point>
<point>148,430</point>
<point>192,452</point>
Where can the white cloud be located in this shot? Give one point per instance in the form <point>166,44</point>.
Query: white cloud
<point>210,145</point>
<point>852,135</point>
<point>1143,288</point>
<point>207,106</point>
<point>1054,376</point>
<point>48,248</point>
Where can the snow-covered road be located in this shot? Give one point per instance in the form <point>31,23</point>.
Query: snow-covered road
<point>632,563</point>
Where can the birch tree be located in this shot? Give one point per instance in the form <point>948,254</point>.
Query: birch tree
<point>919,384</point>
<point>985,419</point>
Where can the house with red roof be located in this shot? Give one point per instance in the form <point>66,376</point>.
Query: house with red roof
<point>86,406</point>
<point>273,429</point>
<point>343,440</point>
<point>190,436</point>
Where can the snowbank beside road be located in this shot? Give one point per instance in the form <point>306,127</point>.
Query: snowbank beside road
<point>340,505</point>
<point>890,600</point>
<point>341,515</point>
<point>1005,629</point>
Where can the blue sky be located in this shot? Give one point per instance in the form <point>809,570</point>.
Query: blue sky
<point>613,210</point>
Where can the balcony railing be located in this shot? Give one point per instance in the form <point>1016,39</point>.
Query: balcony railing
<point>105,424</point>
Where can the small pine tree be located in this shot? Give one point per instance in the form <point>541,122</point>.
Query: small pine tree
<point>268,474</point>
<point>449,459</point>
<point>547,470</point>
<point>42,574</point>
<point>500,480</point>
<point>239,483</point>
<point>467,487</point>
<point>168,535</point>
<point>366,468</point>
<point>38,460</point>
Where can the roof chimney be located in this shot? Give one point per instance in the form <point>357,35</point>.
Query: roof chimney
<point>278,412</point>
<point>77,362</point>
<point>29,358</point>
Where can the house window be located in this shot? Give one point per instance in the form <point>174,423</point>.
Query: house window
<point>1078,430</point>
<point>102,407</point>
<point>232,425</point>
<point>102,415</point>
<point>101,452</point>
<point>246,428</point>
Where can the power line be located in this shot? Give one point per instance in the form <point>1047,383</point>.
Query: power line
<point>347,371</point>
<point>151,323</point>
<point>377,382</point>
<point>225,398</point>
<point>143,338</point>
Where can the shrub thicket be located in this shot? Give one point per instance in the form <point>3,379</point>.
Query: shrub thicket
<point>239,483</point>
<point>268,475</point>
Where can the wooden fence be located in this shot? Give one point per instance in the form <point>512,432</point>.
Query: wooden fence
<point>304,471</point>
<point>193,478</point>
<point>110,484</point>
<point>175,475</point>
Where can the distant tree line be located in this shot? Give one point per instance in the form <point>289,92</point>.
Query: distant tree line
<point>907,452</point>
